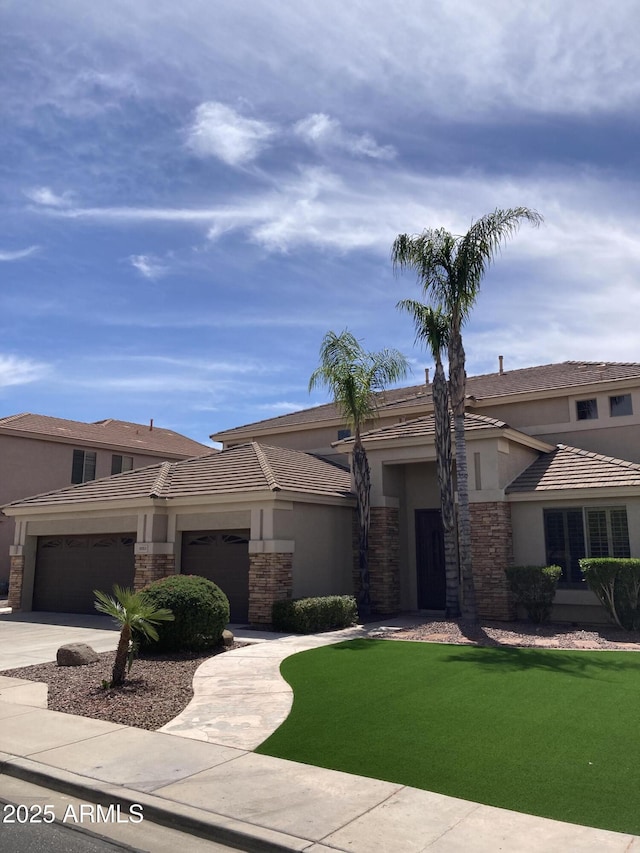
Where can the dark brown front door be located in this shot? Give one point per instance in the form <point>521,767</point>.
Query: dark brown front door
<point>430,560</point>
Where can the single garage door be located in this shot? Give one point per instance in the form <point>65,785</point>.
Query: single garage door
<point>69,568</point>
<point>222,556</point>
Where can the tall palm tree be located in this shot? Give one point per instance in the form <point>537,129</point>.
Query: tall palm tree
<point>353,376</point>
<point>432,329</point>
<point>134,615</point>
<point>450,269</point>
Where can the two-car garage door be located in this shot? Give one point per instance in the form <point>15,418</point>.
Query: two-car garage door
<point>69,568</point>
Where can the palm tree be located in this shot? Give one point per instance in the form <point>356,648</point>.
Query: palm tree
<point>134,615</point>
<point>353,376</point>
<point>432,329</point>
<point>450,269</point>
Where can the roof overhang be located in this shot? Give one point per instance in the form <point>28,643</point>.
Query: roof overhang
<point>591,493</point>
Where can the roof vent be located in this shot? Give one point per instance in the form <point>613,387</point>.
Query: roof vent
<point>426,376</point>
<point>500,363</point>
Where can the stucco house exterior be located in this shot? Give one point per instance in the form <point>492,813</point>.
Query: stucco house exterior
<point>39,453</point>
<point>554,462</point>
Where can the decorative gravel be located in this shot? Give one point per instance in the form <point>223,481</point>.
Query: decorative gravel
<point>157,689</point>
<point>525,634</point>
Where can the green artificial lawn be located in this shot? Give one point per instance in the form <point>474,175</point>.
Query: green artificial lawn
<point>547,732</point>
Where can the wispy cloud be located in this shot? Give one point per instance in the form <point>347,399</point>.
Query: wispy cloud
<point>148,266</point>
<point>220,131</point>
<point>47,197</point>
<point>17,254</point>
<point>323,132</point>
<point>15,370</point>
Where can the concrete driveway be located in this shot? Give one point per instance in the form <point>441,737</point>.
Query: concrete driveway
<point>31,638</point>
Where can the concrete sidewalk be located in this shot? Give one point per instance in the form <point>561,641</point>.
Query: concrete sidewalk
<point>207,780</point>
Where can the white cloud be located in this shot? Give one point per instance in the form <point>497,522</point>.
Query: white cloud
<point>148,266</point>
<point>17,254</point>
<point>46,197</point>
<point>20,371</point>
<point>219,131</point>
<point>324,132</point>
<point>282,406</point>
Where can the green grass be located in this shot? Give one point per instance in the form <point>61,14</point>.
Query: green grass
<point>552,733</point>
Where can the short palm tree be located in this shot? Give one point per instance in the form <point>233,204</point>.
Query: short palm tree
<point>432,329</point>
<point>133,615</point>
<point>450,269</point>
<point>353,376</point>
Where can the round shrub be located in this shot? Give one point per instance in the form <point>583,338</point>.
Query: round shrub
<point>200,608</point>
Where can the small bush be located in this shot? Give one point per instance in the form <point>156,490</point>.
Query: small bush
<point>309,615</point>
<point>616,582</point>
<point>534,587</point>
<point>200,608</point>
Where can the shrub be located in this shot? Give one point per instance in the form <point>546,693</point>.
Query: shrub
<point>308,615</point>
<point>616,582</point>
<point>200,608</point>
<point>534,587</point>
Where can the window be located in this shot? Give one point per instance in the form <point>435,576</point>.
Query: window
<point>571,534</point>
<point>620,405</point>
<point>84,466</point>
<point>587,410</point>
<point>344,433</point>
<point>121,463</point>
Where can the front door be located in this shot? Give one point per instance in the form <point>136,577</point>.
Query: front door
<point>430,560</point>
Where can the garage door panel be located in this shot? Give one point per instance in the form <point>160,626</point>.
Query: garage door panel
<point>221,556</point>
<point>69,568</point>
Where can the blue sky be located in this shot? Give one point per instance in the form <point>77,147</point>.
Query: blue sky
<point>193,193</point>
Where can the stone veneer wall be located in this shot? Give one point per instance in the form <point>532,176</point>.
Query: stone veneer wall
<point>384,560</point>
<point>492,552</point>
<point>16,577</point>
<point>152,567</point>
<point>270,579</point>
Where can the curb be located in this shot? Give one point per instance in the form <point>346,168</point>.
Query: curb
<point>174,815</point>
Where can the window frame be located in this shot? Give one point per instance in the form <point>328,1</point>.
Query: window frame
<point>619,398</point>
<point>125,463</point>
<point>590,414</point>
<point>83,466</point>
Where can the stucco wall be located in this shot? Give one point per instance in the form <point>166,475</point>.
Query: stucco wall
<point>323,555</point>
<point>420,492</point>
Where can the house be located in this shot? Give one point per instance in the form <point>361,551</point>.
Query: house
<point>40,453</point>
<point>553,455</point>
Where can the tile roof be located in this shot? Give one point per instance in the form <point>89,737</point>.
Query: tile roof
<point>425,427</point>
<point>243,469</point>
<point>546,377</point>
<point>572,468</point>
<point>110,432</point>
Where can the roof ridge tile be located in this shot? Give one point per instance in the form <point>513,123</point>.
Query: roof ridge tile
<point>265,467</point>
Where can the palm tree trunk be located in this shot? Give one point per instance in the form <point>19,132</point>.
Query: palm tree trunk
<point>362,480</point>
<point>120,663</point>
<point>457,390</point>
<point>445,482</point>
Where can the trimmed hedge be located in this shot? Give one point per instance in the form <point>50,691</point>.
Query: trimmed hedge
<point>200,608</point>
<point>534,587</point>
<point>616,582</point>
<point>309,615</point>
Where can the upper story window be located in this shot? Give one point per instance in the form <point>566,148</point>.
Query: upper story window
<point>587,410</point>
<point>121,463</point>
<point>620,405</point>
<point>344,433</point>
<point>83,468</point>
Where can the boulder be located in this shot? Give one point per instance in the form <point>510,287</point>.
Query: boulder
<point>76,654</point>
<point>227,638</point>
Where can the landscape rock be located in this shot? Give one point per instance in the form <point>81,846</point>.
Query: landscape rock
<point>227,638</point>
<point>76,654</point>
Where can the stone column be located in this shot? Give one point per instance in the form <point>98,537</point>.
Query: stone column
<point>153,560</point>
<point>16,578</point>
<point>492,552</point>
<point>384,562</point>
<point>270,579</point>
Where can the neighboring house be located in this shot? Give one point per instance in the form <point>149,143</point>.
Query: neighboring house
<point>554,464</point>
<point>40,453</point>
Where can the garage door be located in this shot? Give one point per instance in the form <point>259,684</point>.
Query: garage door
<point>222,556</point>
<point>69,568</point>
